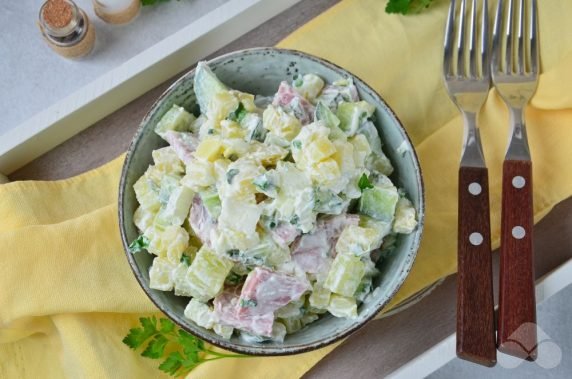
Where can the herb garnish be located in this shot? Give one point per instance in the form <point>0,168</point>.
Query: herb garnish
<point>230,174</point>
<point>407,6</point>
<point>364,183</point>
<point>186,351</point>
<point>140,244</point>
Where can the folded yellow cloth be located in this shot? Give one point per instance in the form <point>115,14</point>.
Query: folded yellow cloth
<point>67,295</point>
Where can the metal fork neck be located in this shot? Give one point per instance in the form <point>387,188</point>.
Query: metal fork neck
<point>472,155</point>
<point>518,141</point>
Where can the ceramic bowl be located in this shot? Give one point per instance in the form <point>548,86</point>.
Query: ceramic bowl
<point>259,71</point>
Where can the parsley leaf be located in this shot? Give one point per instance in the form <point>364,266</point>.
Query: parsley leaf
<point>137,336</point>
<point>238,114</point>
<point>364,183</point>
<point>185,351</point>
<point>156,347</point>
<point>407,6</point>
<point>172,364</point>
<point>186,259</point>
<point>139,244</point>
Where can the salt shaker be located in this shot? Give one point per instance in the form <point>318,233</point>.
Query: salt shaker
<point>117,11</point>
<point>66,28</point>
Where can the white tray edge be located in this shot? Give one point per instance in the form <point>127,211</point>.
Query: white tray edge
<point>111,91</point>
<point>443,352</point>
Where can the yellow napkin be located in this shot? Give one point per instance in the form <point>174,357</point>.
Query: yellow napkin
<point>67,295</point>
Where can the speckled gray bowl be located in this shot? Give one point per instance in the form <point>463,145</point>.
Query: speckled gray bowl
<point>259,71</point>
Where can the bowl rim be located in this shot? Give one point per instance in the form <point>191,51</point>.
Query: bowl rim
<point>263,350</point>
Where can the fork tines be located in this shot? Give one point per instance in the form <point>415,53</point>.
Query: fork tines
<point>515,44</point>
<point>459,61</point>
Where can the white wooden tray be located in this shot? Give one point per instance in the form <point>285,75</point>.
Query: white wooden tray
<point>117,87</point>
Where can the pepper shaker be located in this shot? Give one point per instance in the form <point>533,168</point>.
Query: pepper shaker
<point>66,28</point>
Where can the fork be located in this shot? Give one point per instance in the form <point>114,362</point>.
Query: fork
<point>516,80</point>
<point>468,86</point>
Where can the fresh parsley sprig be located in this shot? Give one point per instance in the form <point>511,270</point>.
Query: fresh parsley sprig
<point>407,6</point>
<point>186,351</point>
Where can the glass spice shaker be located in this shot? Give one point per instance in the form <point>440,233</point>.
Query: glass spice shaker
<point>66,28</point>
<point>117,11</point>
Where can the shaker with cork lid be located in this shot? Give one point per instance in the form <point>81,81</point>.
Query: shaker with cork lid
<point>66,28</point>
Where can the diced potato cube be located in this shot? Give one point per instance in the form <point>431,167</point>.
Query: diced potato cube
<point>342,306</point>
<point>405,220</point>
<point>326,171</point>
<point>200,174</point>
<point>176,118</point>
<point>160,274</point>
<point>358,241</point>
<point>200,313</point>
<point>235,148</point>
<point>345,275</point>
<point>229,239</point>
<point>231,129</point>
<point>182,286</point>
<point>166,160</point>
<point>361,149</point>
<point>147,194</point>
<point>239,216</point>
<point>178,206</point>
<point>344,156</point>
<point>210,149</point>
<point>221,105</point>
<point>143,219</point>
<point>320,297</point>
<point>207,274</point>
<point>280,123</point>
<point>169,242</point>
<point>320,149</point>
<point>246,99</point>
<point>224,331</point>
<point>308,86</point>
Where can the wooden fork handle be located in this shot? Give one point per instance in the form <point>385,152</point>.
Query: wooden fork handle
<point>517,304</point>
<point>475,307</point>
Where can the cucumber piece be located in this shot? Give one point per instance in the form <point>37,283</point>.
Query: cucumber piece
<point>211,201</point>
<point>177,208</point>
<point>327,202</point>
<point>377,161</point>
<point>351,115</point>
<point>176,119</point>
<point>379,203</point>
<point>206,85</point>
<point>325,114</point>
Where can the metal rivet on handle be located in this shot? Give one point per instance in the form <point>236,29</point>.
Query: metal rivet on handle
<point>518,182</point>
<point>518,232</point>
<point>476,239</point>
<point>475,188</point>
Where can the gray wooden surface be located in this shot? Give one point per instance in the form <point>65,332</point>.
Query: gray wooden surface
<point>381,346</point>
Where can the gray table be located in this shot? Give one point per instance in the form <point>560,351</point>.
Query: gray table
<point>381,346</point>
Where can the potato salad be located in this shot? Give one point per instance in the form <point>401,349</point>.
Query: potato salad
<point>269,212</point>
